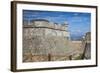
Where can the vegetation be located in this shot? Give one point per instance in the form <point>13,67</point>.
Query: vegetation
<point>79,57</point>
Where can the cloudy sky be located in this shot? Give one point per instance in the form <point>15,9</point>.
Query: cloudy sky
<point>79,23</point>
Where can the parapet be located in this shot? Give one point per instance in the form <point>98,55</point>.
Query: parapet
<point>43,23</point>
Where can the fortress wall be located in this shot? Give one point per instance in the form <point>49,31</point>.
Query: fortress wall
<point>40,23</point>
<point>42,41</point>
<point>59,33</point>
<point>49,25</point>
<point>33,38</point>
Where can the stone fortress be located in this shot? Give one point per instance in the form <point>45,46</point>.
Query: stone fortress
<point>49,28</point>
<point>47,41</point>
<point>41,37</point>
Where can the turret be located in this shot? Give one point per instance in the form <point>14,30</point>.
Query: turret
<point>65,26</point>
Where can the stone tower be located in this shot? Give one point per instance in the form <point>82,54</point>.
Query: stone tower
<point>42,37</point>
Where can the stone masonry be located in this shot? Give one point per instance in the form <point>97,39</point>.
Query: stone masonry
<point>41,37</point>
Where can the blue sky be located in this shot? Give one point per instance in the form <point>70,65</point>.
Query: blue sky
<point>79,23</point>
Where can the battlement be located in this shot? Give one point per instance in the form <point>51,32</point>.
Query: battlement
<point>46,24</point>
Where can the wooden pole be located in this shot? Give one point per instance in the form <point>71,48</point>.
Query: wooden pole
<point>70,57</point>
<point>49,57</point>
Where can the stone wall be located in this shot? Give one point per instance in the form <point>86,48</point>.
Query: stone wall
<point>35,39</point>
<point>41,38</point>
<point>86,45</point>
